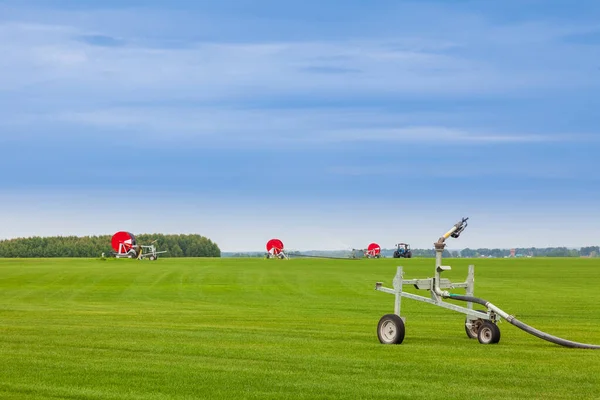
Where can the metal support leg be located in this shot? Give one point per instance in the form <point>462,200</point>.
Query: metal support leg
<point>398,290</point>
<point>470,289</point>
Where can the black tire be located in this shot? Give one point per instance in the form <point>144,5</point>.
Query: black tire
<point>390,329</point>
<point>396,254</point>
<point>497,334</point>
<point>409,255</point>
<point>472,333</point>
<point>489,333</point>
<point>151,258</point>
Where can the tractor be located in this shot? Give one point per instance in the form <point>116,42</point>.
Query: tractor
<point>402,251</point>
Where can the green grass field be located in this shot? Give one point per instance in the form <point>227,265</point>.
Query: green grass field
<point>275,329</point>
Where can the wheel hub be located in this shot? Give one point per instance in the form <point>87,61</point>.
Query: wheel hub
<point>388,330</point>
<point>486,334</point>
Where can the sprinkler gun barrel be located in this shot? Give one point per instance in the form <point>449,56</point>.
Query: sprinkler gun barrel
<point>439,249</point>
<point>455,231</point>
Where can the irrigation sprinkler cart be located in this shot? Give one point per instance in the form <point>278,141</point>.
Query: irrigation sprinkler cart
<point>358,253</point>
<point>478,323</point>
<point>149,252</point>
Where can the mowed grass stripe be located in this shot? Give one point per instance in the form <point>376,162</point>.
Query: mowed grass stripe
<point>253,328</point>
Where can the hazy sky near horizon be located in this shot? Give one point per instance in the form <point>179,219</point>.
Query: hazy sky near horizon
<point>326,124</point>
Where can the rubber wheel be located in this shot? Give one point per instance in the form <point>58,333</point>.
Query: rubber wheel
<point>497,334</point>
<point>472,333</point>
<point>152,258</point>
<point>390,329</point>
<point>489,333</point>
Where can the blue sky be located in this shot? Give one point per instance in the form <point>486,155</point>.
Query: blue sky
<point>328,124</point>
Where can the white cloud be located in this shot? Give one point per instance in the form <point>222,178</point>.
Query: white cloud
<point>279,126</point>
<point>50,76</point>
<point>217,71</point>
<point>52,57</point>
<point>431,134</point>
<point>469,168</point>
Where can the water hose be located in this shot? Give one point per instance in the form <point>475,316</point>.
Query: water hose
<point>529,329</point>
<point>327,257</point>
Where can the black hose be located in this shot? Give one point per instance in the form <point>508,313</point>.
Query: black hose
<point>315,256</point>
<point>529,329</point>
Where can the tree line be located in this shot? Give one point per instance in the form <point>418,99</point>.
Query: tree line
<point>93,246</point>
<point>589,251</point>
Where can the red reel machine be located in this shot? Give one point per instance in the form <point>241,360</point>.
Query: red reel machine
<point>373,251</point>
<point>275,249</point>
<point>124,245</point>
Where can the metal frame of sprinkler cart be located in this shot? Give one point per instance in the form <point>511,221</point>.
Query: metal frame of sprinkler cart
<point>473,319</point>
<point>478,323</point>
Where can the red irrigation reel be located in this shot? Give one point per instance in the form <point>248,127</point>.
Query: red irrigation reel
<point>373,251</point>
<point>125,245</point>
<point>275,249</point>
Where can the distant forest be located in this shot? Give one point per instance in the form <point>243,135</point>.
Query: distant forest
<point>94,246</point>
<point>591,251</point>
<point>200,246</point>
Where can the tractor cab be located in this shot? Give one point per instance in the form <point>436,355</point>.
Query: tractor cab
<point>402,251</point>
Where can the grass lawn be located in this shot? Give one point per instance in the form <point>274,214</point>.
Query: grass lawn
<point>283,329</point>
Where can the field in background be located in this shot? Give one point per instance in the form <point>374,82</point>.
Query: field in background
<point>274,329</point>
